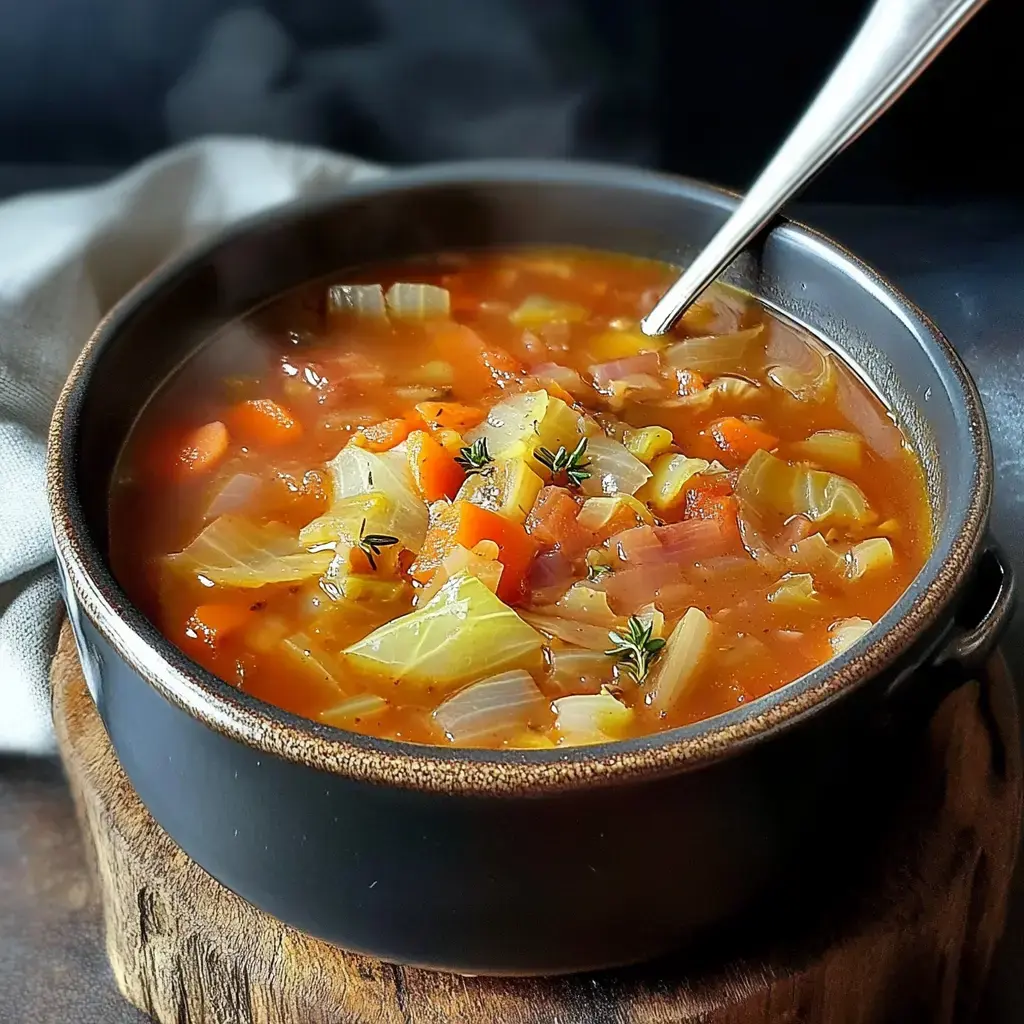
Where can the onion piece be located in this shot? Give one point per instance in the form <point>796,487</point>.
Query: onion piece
<point>233,495</point>
<point>722,353</point>
<point>362,300</point>
<point>417,301</point>
<point>834,449</point>
<point>564,377</point>
<point>605,374</point>
<point>539,310</point>
<point>681,659</point>
<point>868,557</point>
<point>506,701</point>
<point>577,670</point>
<point>794,590</point>
<point>612,469</point>
<point>586,604</point>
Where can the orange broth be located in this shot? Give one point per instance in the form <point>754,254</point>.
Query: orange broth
<point>776,514</point>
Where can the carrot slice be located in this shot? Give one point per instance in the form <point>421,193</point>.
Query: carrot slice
<point>383,436</point>
<point>740,438</point>
<point>263,421</point>
<point>467,524</point>
<point>211,623</point>
<point>450,415</point>
<point>203,448</point>
<point>434,472</point>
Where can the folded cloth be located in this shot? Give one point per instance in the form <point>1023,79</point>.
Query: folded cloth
<point>65,258</point>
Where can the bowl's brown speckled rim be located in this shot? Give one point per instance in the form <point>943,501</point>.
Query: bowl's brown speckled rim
<point>275,732</point>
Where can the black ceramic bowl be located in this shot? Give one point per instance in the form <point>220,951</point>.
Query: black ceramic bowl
<point>533,861</point>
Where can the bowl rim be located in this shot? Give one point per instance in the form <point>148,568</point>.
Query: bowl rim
<point>270,730</point>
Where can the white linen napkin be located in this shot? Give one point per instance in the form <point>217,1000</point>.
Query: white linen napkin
<point>65,258</point>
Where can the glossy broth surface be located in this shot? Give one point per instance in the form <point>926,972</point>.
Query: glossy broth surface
<point>465,501</point>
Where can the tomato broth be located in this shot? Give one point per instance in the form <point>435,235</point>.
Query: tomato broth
<point>464,500</point>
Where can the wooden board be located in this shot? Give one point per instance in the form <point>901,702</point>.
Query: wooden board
<point>913,946</point>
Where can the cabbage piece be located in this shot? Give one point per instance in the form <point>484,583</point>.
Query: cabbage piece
<point>507,701</point>
<point>612,469</point>
<point>460,634</point>
<point>768,483</point>
<point>578,670</point>
<point>836,449</point>
<point>551,621</point>
<point>356,472</point>
<point>372,590</point>
<point>869,556</point>
<point>846,632</point>
<point>233,495</point>
<point>794,590</point>
<point>813,554</point>
<point>235,552</point>
<point>509,487</point>
<point>680,660</point>
<point>355,710</point>
<point>648,443</point>
<point>417,301</point>
<point>671,476</point>
<point>734,391</point>
<point>539,310</point>
<point>721,353</point>
<point>591,718</point>
<point>362,300</point>
<point>344,520</point>
<point>814,384</point>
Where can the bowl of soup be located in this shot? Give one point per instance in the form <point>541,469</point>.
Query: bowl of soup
<point>433,608</point>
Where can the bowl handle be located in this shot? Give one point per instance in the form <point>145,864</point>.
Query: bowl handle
<point>985,610</point>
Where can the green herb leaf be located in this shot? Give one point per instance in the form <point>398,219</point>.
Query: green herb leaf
<point>371,543</point>
<point>475,458</point>
<point>574,464</point>
<point>637,649</point>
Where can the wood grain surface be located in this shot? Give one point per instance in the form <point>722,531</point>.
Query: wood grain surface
<point>911,944</point>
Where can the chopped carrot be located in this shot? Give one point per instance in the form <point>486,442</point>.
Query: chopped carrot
<point>741,438</point>
<point>383,436</point>
<point>211,623</point>
<point>467,524</point>
<point>450,415</point>
<point>703,489</point>
<point>485,366</point>
<point>263,421</point>
<point>719,508</point>
<point>435,472</point>
<point>202,449</point>
<point>689,382</point>
<point>553,521</point>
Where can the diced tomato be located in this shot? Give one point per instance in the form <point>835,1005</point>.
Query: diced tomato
<point>704,489</point>
<point>741,438</point>
<point>467,524</point>
<point>435,472</point>
<point>484,366</point>
<point>263,421</point>
<point>553,522</point>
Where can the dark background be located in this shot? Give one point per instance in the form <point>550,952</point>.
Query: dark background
<point>701,88</point>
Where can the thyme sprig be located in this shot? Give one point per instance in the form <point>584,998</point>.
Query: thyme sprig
<point>371,543</point>
<point>574,464</point>
<point>637,648</point>
<point>475,458</point>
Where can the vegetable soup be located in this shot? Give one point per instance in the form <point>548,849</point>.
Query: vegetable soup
<point>466,501</point>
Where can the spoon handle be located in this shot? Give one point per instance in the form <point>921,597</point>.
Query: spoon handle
<point>897,41</point>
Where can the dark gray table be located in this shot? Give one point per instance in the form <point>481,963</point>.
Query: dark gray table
<point>962,265</point>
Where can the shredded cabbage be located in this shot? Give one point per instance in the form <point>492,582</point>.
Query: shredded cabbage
<point>315,663</point>
<point>576,669</point>
<point>769,483</point>
<point>460,634</point>
<point>235,552</point>
<point>352,711</point>
<point>836,449</point>
<point>491,706</point>
<point>552,621</point>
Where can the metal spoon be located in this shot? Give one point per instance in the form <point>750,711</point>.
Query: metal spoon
<point>897,41</point>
